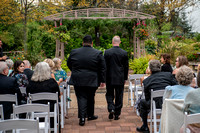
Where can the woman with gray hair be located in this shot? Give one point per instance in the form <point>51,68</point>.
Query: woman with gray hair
<point>42,81</point>
<point>184,76</point>
<point>9,63</point>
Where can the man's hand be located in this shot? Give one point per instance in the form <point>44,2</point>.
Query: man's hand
<point>102,85</point>
<point>4,57</point>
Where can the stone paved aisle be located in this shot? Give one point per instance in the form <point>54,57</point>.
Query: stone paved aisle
<point>126,124</point>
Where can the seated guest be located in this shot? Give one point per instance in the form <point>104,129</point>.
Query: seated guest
<point>165,59</point>
<point>8,85</point>
<point>180,61</point>
<point>184,76</point>
<point>21,78</point>
<point>59,73</point>
<point>157,81</point>
<point>51,65</point>
<point>192,105</point>
<point>9,63</point>
<point>27,69</point>
<point>42,81</point>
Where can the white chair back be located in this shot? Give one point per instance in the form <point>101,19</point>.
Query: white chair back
<point>9,98</point>
<point>31,125</point>
<point>134,88</point>
<point>154,111</point>
<point>48,96</point>
<point>191,119</point>
<point>35,111</point>
<point>1,113</point>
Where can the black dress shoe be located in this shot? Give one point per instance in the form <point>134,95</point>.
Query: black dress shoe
<point>82,121</point>
<point>111,114</point>
<point>94,117</point>
<point>143,129</point>
<point>117,117</point>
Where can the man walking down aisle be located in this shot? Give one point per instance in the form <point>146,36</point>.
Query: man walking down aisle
<point>88,72</point>
<point>116,74</point>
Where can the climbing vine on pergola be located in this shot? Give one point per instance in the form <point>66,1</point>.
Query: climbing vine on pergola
<point>101,13</point>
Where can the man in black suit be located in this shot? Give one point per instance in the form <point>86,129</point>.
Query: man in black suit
<point>8,85</point>
<point>27,71</point>
<point>88,72</point>
<point>157,81</point>
<point>116,74</point>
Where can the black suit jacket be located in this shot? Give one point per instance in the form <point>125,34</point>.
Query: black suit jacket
<point>117,66</point>
<point>8,85</point>
<point>157,81</point>
<point>87,66</point>
<point>28,72</point>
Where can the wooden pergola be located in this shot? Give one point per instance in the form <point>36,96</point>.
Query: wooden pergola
<point>101,13</point>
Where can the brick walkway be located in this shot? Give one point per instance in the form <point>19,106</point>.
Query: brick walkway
<point>126,124</point>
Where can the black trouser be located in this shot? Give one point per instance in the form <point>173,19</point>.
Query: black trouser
<point>85,99</point>
<point>144,108</point>
<point>114,92</point>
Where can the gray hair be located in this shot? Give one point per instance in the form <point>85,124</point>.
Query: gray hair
<point>155,66</point>
<point>185,75</point>
<point>3,66</point>
<point>42,72</point>
<point>9,63</point>
<point>26,63</point>
<point>116,40</point>
<point>56,67</point>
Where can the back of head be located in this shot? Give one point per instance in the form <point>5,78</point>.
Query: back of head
<point>50,62</point>
<point>116,40</point>
<point>185,75</point>
<point>42,72</point>
<point>198,79</point>
<point>57,63</point>
<point>166,57</point>
<point>182,60</point>
<point>87,40</point>
<point>16,65</point>
<point>155,66</point>
<point>26,64</point>
<point>3,66</point>
<point>10,63</point>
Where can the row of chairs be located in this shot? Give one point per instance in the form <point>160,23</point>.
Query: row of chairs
<point>135,91</point>
<point>30,109</point>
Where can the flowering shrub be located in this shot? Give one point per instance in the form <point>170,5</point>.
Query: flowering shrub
<point>14,56</point>
<point>178,38</point>
<point>141,31</point>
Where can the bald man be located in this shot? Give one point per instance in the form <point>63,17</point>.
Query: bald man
<point>8,85</point>
<point>116,74</point>
<point>27,71</point>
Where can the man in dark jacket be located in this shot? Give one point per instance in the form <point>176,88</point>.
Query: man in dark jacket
<point>8,85</point>
<point>116,74</point>
<point>88,72</point>
<point>27,71</point>
<point>157,81</point>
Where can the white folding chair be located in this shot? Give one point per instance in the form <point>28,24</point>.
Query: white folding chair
<point>1,113</point>
<point>136,88</point>
<point>68,92</point>
<point>190,119</point>
<point>62,106</point>
<point>9,98</point>
<point>23,90</point>
<point>32,126</point>
<point>34,111</point>
<point>51,97</point>
<point>154,111</point>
